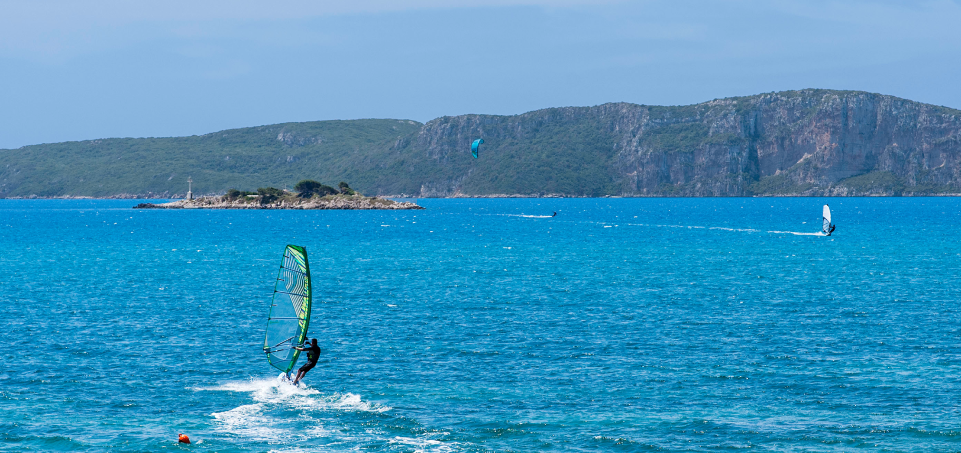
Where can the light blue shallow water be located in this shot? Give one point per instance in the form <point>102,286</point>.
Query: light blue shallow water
<point>619,325</point>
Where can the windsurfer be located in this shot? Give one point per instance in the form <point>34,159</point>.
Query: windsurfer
<point>313,352</point>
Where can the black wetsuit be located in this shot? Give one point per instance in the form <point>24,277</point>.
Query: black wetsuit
<point>313,353</point>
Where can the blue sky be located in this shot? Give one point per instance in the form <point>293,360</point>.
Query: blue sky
<point>79,69</point>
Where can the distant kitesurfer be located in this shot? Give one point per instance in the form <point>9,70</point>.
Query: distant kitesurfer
<point>555,214</point>
<point>313,352</point>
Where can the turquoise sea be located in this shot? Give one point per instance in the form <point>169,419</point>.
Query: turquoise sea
<point>483,325</point>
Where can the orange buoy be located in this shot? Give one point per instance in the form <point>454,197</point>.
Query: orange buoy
<point>184,439</point>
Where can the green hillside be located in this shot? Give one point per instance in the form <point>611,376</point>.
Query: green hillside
<point>252,157</point>
<point>538,153</point>
<point>806,142</point>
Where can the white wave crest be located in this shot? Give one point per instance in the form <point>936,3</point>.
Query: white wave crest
<point>424,444</point>
<point>250,422</point>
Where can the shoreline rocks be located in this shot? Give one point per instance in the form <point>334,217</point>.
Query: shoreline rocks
<point>328,202</point>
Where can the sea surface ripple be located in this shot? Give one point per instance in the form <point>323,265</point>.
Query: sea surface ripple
<point>486,325</point>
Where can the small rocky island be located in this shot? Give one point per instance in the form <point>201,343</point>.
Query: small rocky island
<point>307,194</point>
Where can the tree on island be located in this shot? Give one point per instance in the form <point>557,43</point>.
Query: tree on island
<point>269,194</point>
<point>305,189</point>
<point>234,194</point>
<point>308,188</point>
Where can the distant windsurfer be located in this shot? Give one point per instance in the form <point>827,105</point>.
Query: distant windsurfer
<point>826,226</point>
<point>555,214</point>
<point>313,352</point>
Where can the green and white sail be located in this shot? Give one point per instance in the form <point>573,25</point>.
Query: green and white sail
<point>289,314</point>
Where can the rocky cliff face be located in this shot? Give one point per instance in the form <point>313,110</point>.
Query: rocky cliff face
<point>809,142</point>
<point>818,142</point>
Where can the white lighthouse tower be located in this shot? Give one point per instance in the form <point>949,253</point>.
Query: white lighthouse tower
<point>190,194</point>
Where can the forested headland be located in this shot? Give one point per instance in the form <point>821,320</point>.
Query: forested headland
<point>807,142</point>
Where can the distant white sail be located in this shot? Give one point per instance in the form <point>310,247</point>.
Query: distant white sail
<point>826,228</point>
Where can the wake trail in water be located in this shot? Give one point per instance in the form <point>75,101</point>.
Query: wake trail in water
<point>689,227</point>
<point>696,227</point>
<point>650,225</point>
<point>275,391</point>
<point>268,417</point>
<point>281,414</point>
<point>797,233</point>
<point>527,216</point>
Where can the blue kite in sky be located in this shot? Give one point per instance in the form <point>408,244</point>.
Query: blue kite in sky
<point>475,147</point>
